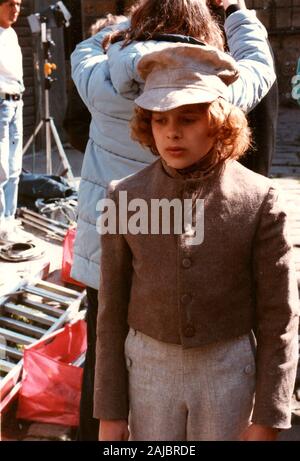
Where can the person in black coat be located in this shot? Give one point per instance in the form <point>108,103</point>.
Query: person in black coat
<point>262,119</point>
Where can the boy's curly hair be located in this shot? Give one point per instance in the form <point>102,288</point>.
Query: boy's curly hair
<point>228,125</point>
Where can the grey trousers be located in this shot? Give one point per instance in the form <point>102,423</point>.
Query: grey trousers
<point>176,394</point>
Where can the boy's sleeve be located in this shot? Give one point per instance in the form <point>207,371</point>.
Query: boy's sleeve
<point>111,389</point>
<point>277,312</point>
<point>248,45</point>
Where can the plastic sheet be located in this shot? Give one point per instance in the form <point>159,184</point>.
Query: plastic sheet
<point>51,384</point>
<point>67,258</point>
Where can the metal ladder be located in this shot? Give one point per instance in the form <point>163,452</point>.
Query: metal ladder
<point>26,316</point>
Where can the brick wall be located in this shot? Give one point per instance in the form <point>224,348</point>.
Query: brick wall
<point>33,80</point>
<point>92,10</point>
<point>282,19</point>
<point>287,51</point>
<point>277,14</point>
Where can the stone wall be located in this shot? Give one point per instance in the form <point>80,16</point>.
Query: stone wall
<point>287,52</point>
<point>277,14</point>
<point>91,10</point>
<point>282,19</point>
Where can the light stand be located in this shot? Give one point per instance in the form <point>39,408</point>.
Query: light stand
<point>48,121</point>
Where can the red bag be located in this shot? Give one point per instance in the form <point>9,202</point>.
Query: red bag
<point>51,385</point>
<point>67,258</point>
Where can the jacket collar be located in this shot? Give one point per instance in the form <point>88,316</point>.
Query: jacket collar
<point>201,170</point>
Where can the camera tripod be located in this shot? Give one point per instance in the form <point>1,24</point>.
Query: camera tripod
<point>47,120</point>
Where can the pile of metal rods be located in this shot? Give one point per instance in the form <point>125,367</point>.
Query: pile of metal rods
<point>54,229</point>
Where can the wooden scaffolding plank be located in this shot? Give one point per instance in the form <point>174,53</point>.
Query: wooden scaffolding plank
<point>48,295</point>
<point>46,308</point>
<point>6,366</point>
<point>29,313</point>
<point>23,327</point>
<point>16,338</point>
<point>66,292</point>
<point>10,351</point>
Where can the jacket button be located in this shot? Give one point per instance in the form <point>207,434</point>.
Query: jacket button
<point>189,331</point>
<point>186,262</point>
<point>186,299</point>
<point>129,362</point>
<point>249,370</point>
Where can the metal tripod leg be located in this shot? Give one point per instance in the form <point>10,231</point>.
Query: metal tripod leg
<point>48,146</point>
<point>50,127</point>
<point>30,140</point>
<point>64,158</point>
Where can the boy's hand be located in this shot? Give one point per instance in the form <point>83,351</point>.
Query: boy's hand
<point>258,433</point>
<point>114,430</point>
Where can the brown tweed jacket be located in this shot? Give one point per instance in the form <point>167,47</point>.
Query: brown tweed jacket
<point>240,278</point>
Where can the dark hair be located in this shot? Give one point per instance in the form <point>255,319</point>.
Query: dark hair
<point>149,18</point>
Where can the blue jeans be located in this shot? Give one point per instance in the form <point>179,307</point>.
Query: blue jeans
<point>11,138</point>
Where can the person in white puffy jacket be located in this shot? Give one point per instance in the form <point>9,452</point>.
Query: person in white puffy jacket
<point>108,83</point>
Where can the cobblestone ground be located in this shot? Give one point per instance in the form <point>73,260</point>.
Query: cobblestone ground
<point>286,170</point>
<point>286,173</point>
<point>286,162</point>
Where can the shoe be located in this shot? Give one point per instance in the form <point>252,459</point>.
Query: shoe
<point>11,233</point>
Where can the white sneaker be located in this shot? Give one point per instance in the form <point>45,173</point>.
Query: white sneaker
<point>3,231</point>
<point>10,232</point>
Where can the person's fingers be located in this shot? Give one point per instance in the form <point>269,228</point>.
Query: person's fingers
<point>214,3</point>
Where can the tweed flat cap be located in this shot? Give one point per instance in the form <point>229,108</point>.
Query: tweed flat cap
<point>179,74</point>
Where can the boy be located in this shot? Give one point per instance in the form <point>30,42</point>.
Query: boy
<point>184,312</point>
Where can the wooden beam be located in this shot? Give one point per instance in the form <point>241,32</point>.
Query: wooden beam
<point>46,308</point>
<point>23,327</point>
<point>10,351</point>
<point>6,366</point>
<point>29,313</point>
<point>16,337</point>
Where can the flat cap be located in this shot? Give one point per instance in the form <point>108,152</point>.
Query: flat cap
<point>178,74</point>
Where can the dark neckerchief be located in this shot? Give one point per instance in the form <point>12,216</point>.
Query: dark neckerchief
<point>202,166</point>
<point>203,169</point>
